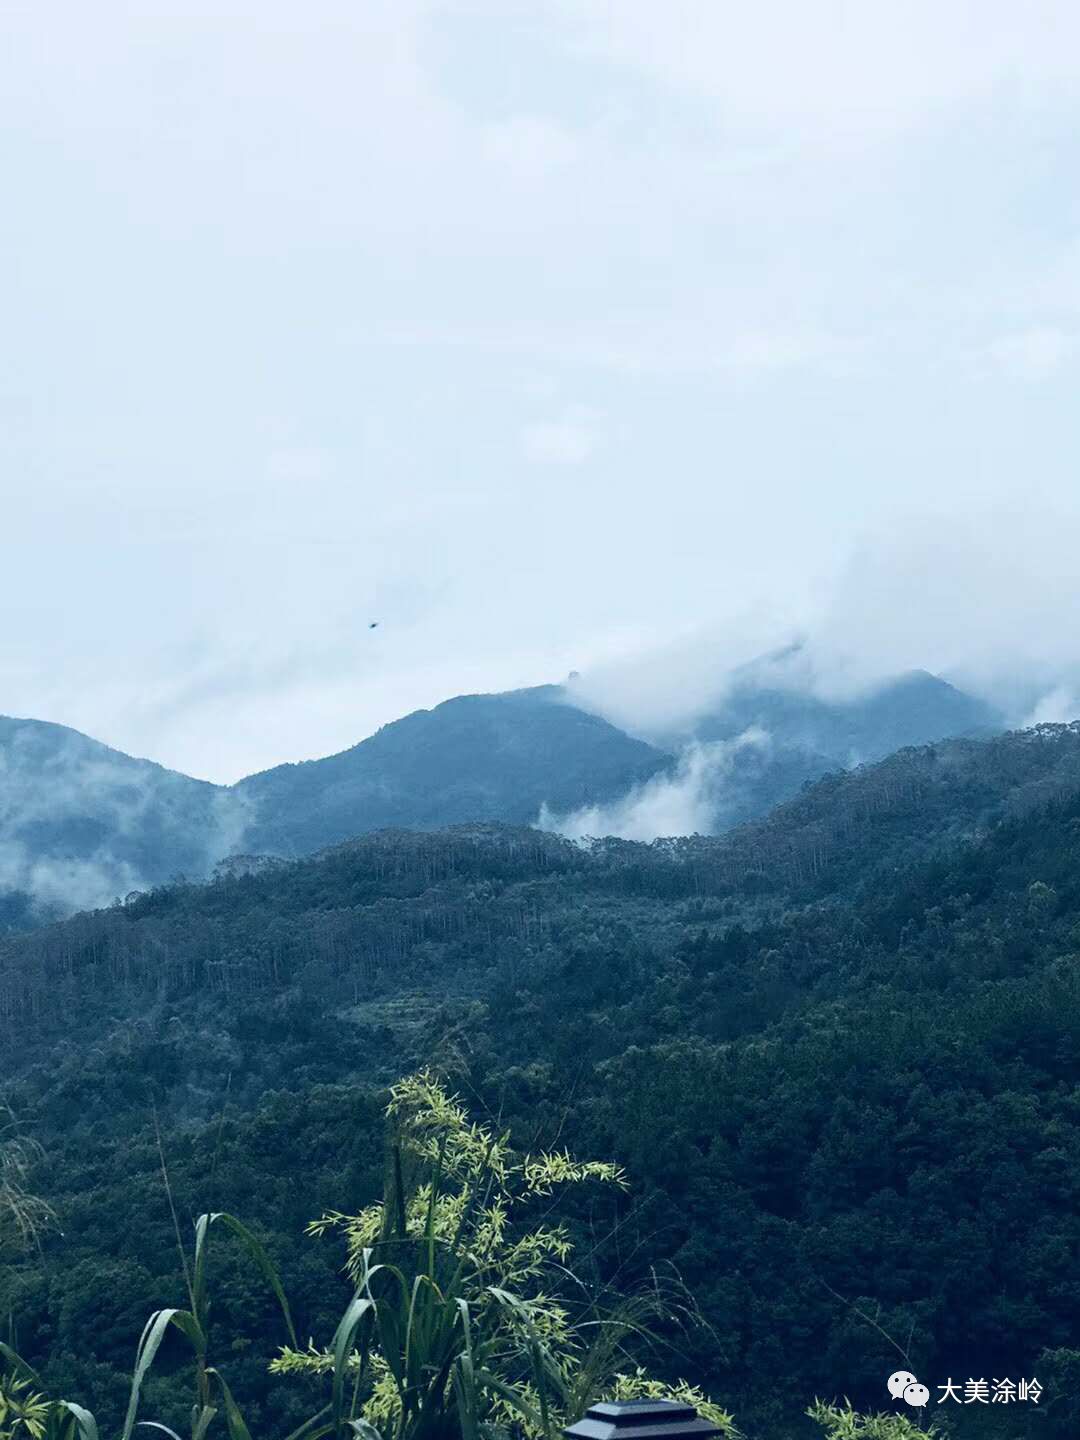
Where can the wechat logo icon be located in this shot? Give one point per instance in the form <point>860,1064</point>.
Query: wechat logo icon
<point>903,1385</point>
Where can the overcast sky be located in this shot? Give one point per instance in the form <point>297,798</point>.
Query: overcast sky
<point>546,334</point>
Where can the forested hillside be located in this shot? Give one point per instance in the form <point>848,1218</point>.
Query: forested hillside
<point>476,757</point>
<point>838,1052</point>
<point>82,824</point>
<point>910,710</point>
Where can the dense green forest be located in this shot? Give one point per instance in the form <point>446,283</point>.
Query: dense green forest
<point>81,823</point>
<point>837,1053</point>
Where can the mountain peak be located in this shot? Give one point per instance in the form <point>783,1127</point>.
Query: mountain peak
<point>81,823</point>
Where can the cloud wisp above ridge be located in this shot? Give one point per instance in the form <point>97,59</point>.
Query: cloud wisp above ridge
<point>543,334</point>
<point>690,800</point>
<point>985,601</point>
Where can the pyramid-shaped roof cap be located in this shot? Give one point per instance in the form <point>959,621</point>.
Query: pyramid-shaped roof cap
<point>642,1420</point>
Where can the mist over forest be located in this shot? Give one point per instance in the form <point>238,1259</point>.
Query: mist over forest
<point>540,720</point>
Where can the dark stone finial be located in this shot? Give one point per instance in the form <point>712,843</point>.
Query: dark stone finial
<point>642,1420</point>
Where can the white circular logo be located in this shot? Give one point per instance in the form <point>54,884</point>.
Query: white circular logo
<point>899,1381</point>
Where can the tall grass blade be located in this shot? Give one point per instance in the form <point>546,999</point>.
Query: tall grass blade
<point>545,1371</point>
<point>257,1251</point>
<point>307,1430</point>
<point>429,1227</point>
<point>528,1412</point>
<point>84,1421</point>
<point>344,1339</point>
<point>19,1365</point>
<point>399,1195</point>
<point>234,1421</point>
<point>198,1281</point>
<point>202,1424</point>
<point>149,1342</point>
<point>388,1320</point>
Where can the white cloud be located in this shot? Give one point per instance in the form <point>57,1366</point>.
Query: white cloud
<point>766,352</point>
<point>1034,354</point>
<point>531,147</point>
<point>837,66</point>
<point>568,439</point>
<point>304,466</point>
<point>285,275</point>
<point>986,600</point>
<point>1056,707</point>
<point>688,801</point>
<point>656,685</point>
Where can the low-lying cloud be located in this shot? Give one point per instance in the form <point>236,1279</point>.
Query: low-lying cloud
<point>988,603</point>
<point>691,800</point>
<point>81,825</point>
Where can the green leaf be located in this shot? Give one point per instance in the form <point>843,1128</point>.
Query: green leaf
<point>307,1430</point>
<point>198,1282</point>
<point>234,1421</point>
<point>84,1421</point>
<point>257,1251</point>
<point>149,1341</point>
<point>19,1365</point>
<point>498,1387</point>
<point>206,1414</point>
<point>344,1337</point>
<point>364,1430</point>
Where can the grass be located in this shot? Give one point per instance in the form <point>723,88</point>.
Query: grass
<point>466,1321</point>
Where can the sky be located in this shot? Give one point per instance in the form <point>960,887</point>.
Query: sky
<point>562,334</point>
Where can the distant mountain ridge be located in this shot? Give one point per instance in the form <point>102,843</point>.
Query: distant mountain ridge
<point>811,736</point>
<point>911,709</point>
<point>475,757</point>
<point>768,736</point>
<point>81,823</point>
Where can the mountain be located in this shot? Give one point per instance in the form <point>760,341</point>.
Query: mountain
<point>476,757</point>
<point>913,709</point>
<point>769,736</point>
<point>81,823</point>
<point>836,1050</point>
<point>765,741</point>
